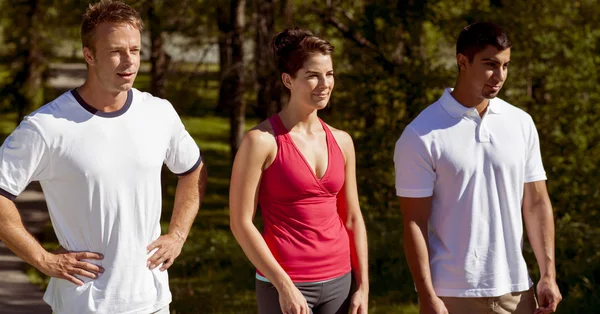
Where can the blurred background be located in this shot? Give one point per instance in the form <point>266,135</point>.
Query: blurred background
<point>211,59</point>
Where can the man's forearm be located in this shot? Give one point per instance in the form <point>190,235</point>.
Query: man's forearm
<point>15,236</point>
<point>188,197</point>
<point>539,222</point>
<point>417,255</point>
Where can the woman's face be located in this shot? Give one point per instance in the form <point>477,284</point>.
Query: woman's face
<point>313,83</point>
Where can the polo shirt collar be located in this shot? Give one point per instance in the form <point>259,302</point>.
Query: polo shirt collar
<point>494,107</point>
<point>456,110</point>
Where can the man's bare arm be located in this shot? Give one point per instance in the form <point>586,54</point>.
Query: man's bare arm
<point>61,264</point>
<point>188,197</point>
<point>415,216</point>
<point>539,222</point>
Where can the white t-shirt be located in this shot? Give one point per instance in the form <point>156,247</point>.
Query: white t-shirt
<point>475,168</point>
<point>100,173</point>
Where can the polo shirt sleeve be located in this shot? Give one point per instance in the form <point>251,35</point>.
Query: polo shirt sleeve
<point>415,174</point>
<point>183,155</point>
<point>534,168</point>
<point>24,157</point>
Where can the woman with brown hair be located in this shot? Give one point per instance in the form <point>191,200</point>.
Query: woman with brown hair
<point>302,173</point>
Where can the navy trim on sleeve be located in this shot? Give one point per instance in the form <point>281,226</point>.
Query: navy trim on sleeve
<point>194,167</point>
<point>8,195</point>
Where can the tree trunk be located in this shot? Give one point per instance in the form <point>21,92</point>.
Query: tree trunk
<point>287,11</point>
<point>268,84</point>
<point>29,82</point>
<point>159,64</point>
<point>224,25</point>
<point>231,92</point>
<point>238,104</point>
<point>159,59</point>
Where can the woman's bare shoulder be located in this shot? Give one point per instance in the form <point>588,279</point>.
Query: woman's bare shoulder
<point>260,136</point>
<point>342,137</point>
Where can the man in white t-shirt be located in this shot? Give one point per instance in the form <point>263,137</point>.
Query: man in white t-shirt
<point>98,151</point>
<point>468,170</point>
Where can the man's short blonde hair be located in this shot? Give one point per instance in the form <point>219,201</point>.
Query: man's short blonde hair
<point>107,11</point>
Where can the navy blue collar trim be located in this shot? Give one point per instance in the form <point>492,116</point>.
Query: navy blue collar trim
<point>96,112</point>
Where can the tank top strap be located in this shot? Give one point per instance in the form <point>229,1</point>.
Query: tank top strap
<point>327,130</point>
<point>334,148</point>
<point>277,125</point>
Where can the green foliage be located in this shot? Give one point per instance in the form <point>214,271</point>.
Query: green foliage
<point>27,46</point>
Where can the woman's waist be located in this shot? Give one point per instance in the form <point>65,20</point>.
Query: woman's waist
<point>306,211</point>
<point>302,223</point>
<point>314,245</point>
<point>307,199</point>
<point>313,263</point>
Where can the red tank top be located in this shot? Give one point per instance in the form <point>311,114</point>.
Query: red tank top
<point>302,227</point>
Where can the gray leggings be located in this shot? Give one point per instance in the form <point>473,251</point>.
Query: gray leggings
<point>330,297</point>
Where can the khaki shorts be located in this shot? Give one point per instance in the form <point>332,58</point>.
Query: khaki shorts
<point>523,302</point>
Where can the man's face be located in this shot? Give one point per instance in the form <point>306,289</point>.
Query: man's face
<point>487,73</point>
<point>115,59</point>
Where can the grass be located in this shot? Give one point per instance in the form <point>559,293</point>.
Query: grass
<point>396,309</point>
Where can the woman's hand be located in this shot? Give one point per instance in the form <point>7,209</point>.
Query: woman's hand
<point>292,301</point>
<point>359,303</point>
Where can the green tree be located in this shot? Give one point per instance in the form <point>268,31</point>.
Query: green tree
<point>27,56</point>
<point>29,46</point>
<point>267,81</point>
<point>232,85</point>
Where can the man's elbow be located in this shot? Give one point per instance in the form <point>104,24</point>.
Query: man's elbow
<point>541,205</point>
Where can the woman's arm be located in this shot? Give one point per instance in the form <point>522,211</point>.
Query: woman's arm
<point>349,210</point>
<point>255,151</point>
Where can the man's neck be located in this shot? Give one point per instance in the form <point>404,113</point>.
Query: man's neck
<point>467,98</point>
<point>101,99</point>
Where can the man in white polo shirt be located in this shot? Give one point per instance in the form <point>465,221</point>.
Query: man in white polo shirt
<point>468,168</point>
<point>98,151</point>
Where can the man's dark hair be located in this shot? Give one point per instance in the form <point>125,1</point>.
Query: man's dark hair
<point>477,36</point>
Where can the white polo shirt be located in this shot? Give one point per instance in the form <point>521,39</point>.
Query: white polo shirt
<point>475,168</point>
<point>100,173</point>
